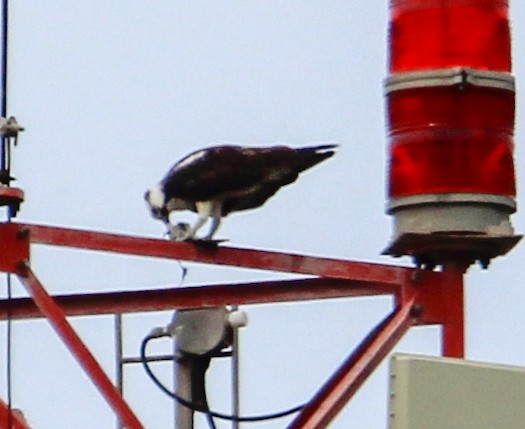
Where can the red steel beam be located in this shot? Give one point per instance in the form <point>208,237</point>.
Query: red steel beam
<point>58,320</point>
<point>218,255</point>
<point>341,387</point>
<point>196,297</point>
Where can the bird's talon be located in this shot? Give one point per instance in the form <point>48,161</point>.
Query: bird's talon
<point>179,232</point>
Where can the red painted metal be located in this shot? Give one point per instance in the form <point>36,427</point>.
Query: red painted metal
<point>56,317</point>
<point>196,297</point>
<point>429,298</point>
<point>332,397</point>
<point>453,322</point>
<point>11,418</point>
<point>440,301</point>
<point>217,255</point>
<point>434,297</point>
<point>14,248</point>
<point>10,196</point>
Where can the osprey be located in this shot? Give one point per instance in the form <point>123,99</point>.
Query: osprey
<point>219,180</point>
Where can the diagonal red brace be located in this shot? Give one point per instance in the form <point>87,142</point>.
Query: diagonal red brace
<point>334,395</point>
<point>10,419</point>
<point>58,320</point>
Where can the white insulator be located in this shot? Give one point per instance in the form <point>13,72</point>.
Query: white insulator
<point>238,319</point>
<point>9,127</point>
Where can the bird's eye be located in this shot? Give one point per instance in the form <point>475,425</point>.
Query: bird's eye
<point>160,213</point>
<point>156,212</point>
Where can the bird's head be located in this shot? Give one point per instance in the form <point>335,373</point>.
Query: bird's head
<point>156,200</point>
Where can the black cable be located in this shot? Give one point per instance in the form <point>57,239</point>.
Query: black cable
<point>210,420</point>
<point>204,408</point>
<point>199,366</point>
<point>195,407</point>
<point>5,27</point>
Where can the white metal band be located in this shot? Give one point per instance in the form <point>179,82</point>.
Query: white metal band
<point>456,76</point>
<point>451,198</point>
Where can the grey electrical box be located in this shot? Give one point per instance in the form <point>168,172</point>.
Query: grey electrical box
<point>444,393</point>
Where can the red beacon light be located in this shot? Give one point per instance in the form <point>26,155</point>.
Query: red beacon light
<point>434,34</point>
<point>451,103</point>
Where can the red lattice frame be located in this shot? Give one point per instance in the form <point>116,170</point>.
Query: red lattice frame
<point>421,298</point>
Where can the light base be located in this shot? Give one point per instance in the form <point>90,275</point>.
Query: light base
<point>439,228</point>
<point>430,250</point>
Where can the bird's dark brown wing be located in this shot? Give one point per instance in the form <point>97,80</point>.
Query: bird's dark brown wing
<point>250,200</point>
<point>207,174</point>
<point>243,177</point>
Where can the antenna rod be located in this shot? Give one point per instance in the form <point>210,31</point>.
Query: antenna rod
<point>5,23</point>
<point>4,155</point>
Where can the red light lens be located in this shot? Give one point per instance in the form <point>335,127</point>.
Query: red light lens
<point>434,34</point>
<point>445,140</point>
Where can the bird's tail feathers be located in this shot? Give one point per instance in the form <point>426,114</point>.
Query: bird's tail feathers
<point>309,156</point>
<point>319,148</point>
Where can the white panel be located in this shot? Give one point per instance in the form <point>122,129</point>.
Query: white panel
<point>444,393</point>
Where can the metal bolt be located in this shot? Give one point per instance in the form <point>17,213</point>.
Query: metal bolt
<point>417,310</point>
<point>416,276</point>
<point>464,81</point>
<point>22,266</point>
<point>22,234</point>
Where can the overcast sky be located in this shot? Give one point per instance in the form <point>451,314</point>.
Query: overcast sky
<point>112,93</point>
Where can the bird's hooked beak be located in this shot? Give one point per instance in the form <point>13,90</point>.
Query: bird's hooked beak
<point>161,214</point>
